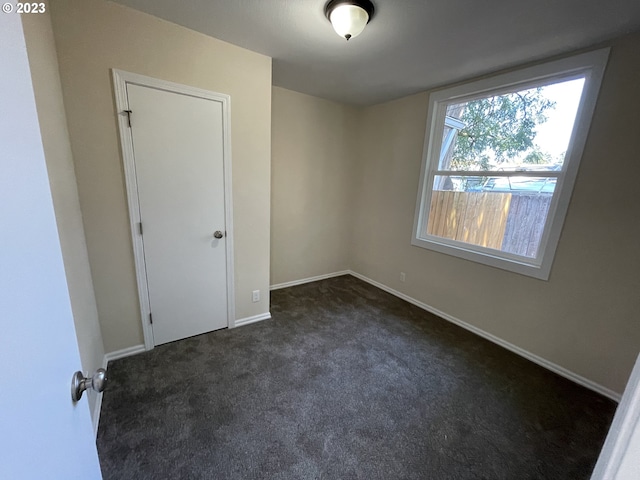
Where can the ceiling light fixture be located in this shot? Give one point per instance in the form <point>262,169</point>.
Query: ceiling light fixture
<point>349,17</point>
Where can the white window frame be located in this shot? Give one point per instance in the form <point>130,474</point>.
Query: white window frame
<point>589,65</point>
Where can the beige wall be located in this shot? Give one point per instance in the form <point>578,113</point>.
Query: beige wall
<point>313,146</point>
<point>93,36</point>
<point>57,150</point>
<point>585,318</point>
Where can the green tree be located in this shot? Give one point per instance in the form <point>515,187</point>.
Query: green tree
<point>499,128</point>
<point>538,157</point>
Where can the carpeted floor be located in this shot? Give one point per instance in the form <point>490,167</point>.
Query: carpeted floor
<point>345,382</point>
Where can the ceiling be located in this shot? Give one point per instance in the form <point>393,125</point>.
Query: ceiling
<point>409,45</point>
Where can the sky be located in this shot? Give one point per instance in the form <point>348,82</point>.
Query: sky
<point>553,135</point>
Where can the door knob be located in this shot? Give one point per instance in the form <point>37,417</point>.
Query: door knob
<point>218,234</point>
<point>79,383</point>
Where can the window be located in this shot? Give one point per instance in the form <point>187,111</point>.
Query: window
<point>500,160</point>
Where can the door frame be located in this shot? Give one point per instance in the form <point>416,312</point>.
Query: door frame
<point>120,81</point>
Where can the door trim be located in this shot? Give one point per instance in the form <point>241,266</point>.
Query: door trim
<point>120,81</point>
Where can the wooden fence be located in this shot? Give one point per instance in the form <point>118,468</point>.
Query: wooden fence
<point>479,218</point>
<point>503,221</point>
<point>525,224</point>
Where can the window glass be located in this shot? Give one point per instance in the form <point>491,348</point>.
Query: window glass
<point>504,164</point>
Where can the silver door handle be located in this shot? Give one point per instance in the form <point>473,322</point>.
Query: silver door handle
<point>79,383</point>
<point>218,234</point>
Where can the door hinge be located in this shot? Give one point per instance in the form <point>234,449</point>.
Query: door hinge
<point>128,112</point>
<point>140,227</point>
<point>150,318</point>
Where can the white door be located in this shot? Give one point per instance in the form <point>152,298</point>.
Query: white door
<point>178,150</point>
<point>43,434</point>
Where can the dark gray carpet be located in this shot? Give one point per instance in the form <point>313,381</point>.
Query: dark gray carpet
<point>345,382</point>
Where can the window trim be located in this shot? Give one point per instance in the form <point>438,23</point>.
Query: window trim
<point>591,65</point>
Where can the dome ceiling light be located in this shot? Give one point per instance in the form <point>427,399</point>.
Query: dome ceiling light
<point>349,17</point>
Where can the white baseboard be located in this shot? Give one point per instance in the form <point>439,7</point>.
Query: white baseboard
<point>585,382</point>
<point>254,319</point>
<point>125,352</point>
<point>309,280</point>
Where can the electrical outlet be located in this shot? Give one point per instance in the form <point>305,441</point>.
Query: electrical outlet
<point>403,277</point>
<point>255,296</point>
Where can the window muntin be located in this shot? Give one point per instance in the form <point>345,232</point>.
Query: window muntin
<point>501,200</point>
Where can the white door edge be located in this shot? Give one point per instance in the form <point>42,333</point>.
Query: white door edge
<point>120,81</point>
<point>619,454</point>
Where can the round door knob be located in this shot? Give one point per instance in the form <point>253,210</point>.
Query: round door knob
<point>218,234</point>
<point>79,383</point>
<point>99,380</point>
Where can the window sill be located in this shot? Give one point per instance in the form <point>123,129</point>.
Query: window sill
<point>488,257</point>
